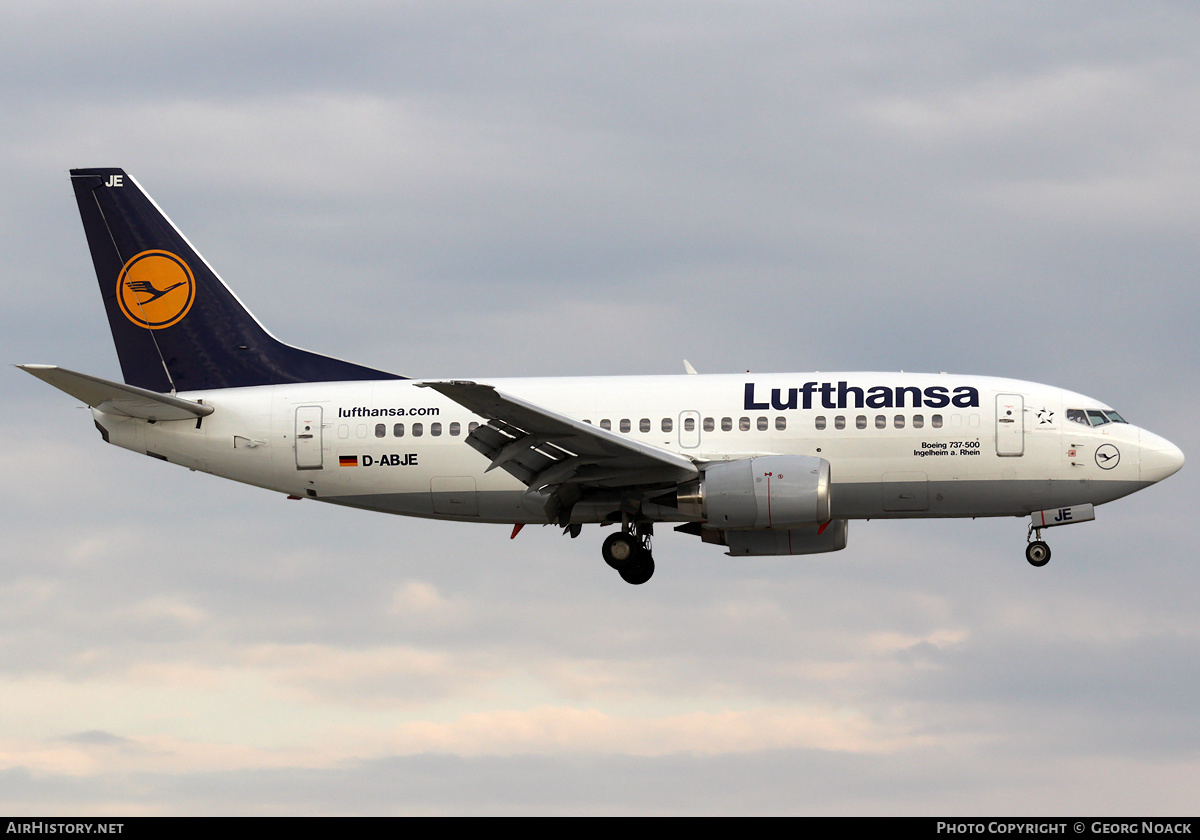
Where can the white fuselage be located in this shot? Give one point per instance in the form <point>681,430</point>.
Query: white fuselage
<point>899,445</point>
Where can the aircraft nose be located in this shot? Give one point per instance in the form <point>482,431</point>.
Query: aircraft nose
<point>1159,457</point>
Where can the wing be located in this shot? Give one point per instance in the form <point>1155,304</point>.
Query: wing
<point>558,457</point>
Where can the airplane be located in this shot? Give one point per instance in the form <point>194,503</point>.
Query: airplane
<point>763,464</point>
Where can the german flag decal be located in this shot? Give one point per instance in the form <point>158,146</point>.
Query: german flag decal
<point>347,460</point>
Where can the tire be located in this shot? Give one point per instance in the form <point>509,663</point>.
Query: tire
<point>1037,553</point>
<point>620,549</point>
<point>639,571</point>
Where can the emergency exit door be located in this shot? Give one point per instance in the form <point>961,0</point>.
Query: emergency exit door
<point>689,429</point>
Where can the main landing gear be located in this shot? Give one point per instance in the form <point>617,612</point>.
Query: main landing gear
<point>628,551</point>
<point>1037,552</point>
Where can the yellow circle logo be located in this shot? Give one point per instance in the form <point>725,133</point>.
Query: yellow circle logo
<point>155,289</point>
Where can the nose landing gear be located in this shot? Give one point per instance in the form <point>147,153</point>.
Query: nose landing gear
<point>1037,552</point>
<point>628,551</point>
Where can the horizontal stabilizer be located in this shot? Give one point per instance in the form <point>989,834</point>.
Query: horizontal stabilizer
<point>116,398</point>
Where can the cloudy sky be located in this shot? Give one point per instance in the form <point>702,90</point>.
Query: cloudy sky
<point>506,189</point>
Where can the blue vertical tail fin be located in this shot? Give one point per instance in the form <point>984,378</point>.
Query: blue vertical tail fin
<point>176,325</point>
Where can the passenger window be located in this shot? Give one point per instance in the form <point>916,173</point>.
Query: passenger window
<point>361,430</point>
<point>606,424</point>
<point>644,424</point>
<point>726,424</point>
<point>899,421</point>
<point>668,424</point>
<point>860,422</point>
<point>398,430</point>
<point>418,429</point>
<point>455,428</point>
<point>762,424</point>
<point>744,424</point>
<point>936,421</point>
<point>435,429</point>
<point>880,421</point>
<point>380,430</point>
<point>839,422</point>
<point>625,426</point>
<point>709,424</point>
<point>343,431</point>
<point>820,422</point>
<point>918,421</point>
<point>973,421</point>
<point>472,426</point>
<point>689,424</point>
<point>781,424</point>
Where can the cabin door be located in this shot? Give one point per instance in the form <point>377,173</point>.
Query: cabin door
<point>1010,425</point>
<point>308,437</point>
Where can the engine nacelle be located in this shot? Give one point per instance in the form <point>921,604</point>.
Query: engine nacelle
<point>810,540</point>
<point>772,491</point>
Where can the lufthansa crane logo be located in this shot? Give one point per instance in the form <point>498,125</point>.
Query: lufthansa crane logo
<point>155,289</point>
<point>1107,456</point>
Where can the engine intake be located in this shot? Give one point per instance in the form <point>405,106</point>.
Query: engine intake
<point>772,491</point>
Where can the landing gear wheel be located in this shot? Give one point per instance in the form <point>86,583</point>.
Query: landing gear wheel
<point>620,550</point>
<point>1037,553</point>
<point>638,571</point>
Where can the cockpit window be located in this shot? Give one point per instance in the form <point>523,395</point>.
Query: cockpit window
<point>1093,416</point>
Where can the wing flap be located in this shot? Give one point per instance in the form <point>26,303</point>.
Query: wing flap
<point>116,398</point>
